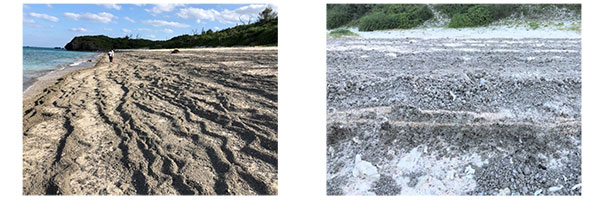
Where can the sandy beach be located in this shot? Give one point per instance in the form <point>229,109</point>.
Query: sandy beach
<point>201,121</point>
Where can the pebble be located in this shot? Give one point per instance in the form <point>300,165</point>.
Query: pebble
<point>576,186</point>
<point>504,192</point>
<point>355,139</point>
<point>526,171</point>
<point>555,188</point>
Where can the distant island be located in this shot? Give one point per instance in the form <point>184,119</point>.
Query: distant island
<point>263,32</point>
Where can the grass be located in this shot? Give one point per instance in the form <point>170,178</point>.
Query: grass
<point>341,32</point>
<point>573,27</point>
<point>533,25</point>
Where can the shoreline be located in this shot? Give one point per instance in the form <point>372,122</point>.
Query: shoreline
<point>42,82</point>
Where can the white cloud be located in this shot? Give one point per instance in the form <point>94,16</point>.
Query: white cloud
<point>44,16</point>
<point>126,30</point>
<point>166,30</point>
<point>38,25</point>
<point>112,6</point>
<point>151,36</point>
<point>158,23</point>
<point>217,28</point>
<point>49,5</point>
<point>241,14</point>
<point>198,13</point>
<point>108,29</point>
<point>102,17</point>
<point>160,8</point>
<point>129,19</point>
<point>26,7</point>
<point>31,21</point>
<point>81,30</point>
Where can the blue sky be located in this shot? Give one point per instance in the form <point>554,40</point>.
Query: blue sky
<point>54,25</point>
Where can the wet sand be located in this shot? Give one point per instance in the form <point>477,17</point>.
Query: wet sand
<point>201,121</point>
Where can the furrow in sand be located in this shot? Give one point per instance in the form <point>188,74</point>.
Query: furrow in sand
<point>245,132</point>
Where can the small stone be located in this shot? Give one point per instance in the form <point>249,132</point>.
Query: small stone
<point>526,171</point>
<point>504,192</point>
<point>355,139</point>
<point>555,188</point>
<point>482,81</point>
<point>576,186</point>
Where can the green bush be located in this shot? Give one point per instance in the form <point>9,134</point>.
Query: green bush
<point>533,25</point>
<point>341,14</point>
<point>418,13</point>
<point>451,9</point>
<point>377,21</point>
<point>390,16</point>
<point>573,7</point>
<point>338,15</point>
<point>475,16</point>
<point>500,11</point>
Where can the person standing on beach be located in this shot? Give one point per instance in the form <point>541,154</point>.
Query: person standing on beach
<point>111,53</point>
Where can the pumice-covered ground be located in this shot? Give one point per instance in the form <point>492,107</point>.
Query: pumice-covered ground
<point>454,116</point>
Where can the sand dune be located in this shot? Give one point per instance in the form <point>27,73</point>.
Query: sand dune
<point>196,122</point>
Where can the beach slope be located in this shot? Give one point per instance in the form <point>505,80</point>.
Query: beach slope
<point>199,121</point>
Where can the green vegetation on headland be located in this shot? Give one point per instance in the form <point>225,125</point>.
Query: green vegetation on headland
<point>260,33</point>
<point>369,17</point>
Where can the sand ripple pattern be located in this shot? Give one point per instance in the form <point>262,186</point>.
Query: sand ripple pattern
<point>198,122</point>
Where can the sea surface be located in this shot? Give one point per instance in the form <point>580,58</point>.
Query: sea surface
<point>38,61</point>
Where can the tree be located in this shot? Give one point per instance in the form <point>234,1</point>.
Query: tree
<point>267,14</point>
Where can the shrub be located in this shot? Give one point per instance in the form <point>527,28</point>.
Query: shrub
<point>475,16</point>
<point>377,21</point>
<point>451,9</point>
<point>500,11</point>
<point>418,13</point>
<point>390,16</point>
<point>341,14</point>
<point>573,7</point>
<point>338,15</point>
<point>533,25</point>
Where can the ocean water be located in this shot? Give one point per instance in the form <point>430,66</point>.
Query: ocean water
<point>41,61</point>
